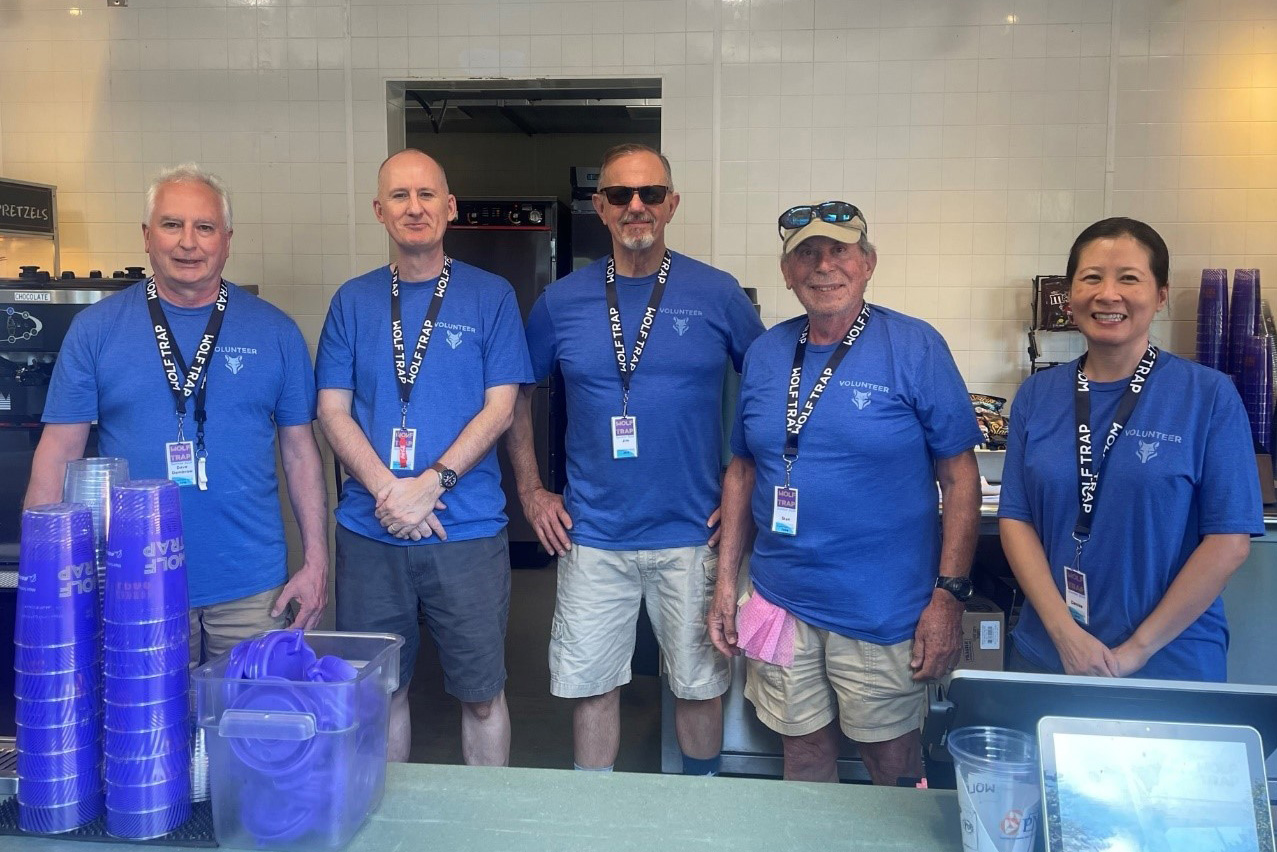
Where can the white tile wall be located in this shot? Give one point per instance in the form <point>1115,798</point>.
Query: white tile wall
<point>978,135</point>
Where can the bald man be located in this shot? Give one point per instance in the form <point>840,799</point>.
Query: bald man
<point>418,369</point>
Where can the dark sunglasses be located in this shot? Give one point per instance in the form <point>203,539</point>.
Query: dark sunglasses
<point>833,212</point>
<point>619,196</point>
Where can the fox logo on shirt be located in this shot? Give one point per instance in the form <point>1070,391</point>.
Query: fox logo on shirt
<point>680,325</point>
<point>860,398</point>
<point>454,339</point>
<point>1147,450</point>
<point>234,363</point>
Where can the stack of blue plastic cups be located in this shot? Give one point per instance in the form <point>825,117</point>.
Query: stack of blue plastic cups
<point>147,735</point>
<point>57,671</point>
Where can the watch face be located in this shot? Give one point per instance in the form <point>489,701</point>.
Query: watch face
<point>447,478</point>
<point>959,587</point>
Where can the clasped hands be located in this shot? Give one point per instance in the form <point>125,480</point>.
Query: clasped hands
<point>406,507</point>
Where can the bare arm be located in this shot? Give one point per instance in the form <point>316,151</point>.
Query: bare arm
<point>348,441</point>
<point>410,503</point>
<point>937,640</point>
<point>304,477</point>
<point>1198,583</point>
<point>1080,652</point>
<point>737,535</point>
<point>59,444</point>
<point>543,509</point>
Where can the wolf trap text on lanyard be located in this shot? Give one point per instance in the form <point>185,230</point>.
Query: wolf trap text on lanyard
<point>403,441</point>
<point>186,462</point>
<point>1088,476</point>
<point>625,427</point>
<point>785,497</point>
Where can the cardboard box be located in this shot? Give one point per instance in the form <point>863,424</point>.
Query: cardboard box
<point>983,635</point>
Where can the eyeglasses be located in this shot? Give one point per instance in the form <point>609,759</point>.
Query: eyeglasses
<point>833,212</point>
<point>619,196</point>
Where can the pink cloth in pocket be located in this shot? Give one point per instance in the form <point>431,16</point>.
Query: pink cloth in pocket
<point>765,632</point>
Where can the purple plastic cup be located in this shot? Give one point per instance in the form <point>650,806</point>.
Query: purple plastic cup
<point>69,737</point>
<point>141,798</point>
<point>60,791</point>
<point>61,764</point>
<point>143,662</point>
<point>51,714</point>
<point>146,690</point>
<point>157,714</point>
<point>147,770</point>
<point>51,659</point>
<point>145,826</point>
<point>129,745</point>
<point>57,576</point>
<point>63,685</point>
<point>60,819</point>
<point>126,635</point>
<point>145,553</point>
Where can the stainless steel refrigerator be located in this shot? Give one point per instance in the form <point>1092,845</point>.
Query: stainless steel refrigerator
<point>523,240</point>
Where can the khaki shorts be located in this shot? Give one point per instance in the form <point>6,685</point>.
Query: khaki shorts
<point>592,636</point>
<point>867,687</point>
<point>217,628</point>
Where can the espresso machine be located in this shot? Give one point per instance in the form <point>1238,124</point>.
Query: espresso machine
<point>36,310</point>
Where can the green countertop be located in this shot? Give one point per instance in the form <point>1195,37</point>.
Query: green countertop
<point>440,808</point>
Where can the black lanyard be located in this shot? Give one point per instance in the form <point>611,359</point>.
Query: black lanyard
<point>406,375</point>
<point>196,377</point>
<point>627,366</point>
<point>1088,473</point>
<point>794,420</point>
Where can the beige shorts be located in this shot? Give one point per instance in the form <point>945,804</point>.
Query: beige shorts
<point>597,605</point>
<point>217,628</point>
<point>867,687</point>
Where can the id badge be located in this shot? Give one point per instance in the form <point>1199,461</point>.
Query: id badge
<point>179,461</point>
<point>624,437</point>
<point>403,449</point>
<point>785,511</point>
<point>1075,595</point>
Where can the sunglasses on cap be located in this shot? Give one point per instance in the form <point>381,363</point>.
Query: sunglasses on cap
<point>833,212</point>
<point>619,196</point>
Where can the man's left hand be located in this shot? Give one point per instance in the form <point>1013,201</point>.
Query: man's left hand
<point>406,503</point>
<point>937,641</point>
<point>715,527</point>
<point>309,587</point>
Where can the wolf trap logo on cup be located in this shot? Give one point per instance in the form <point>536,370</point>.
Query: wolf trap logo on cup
<point>167,554</point>
<point>77,579</point>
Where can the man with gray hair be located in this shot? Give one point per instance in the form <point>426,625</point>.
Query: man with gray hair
<point>644,338</point>
<point>192,378</point>
<point>857,587</point>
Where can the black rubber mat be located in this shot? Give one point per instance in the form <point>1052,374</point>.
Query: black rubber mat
<point>197,832</point>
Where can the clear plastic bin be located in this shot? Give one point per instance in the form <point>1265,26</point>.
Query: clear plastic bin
<point>296,765</point>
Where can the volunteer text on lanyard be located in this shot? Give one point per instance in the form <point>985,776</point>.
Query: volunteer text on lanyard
<point>625,427</point>
<point>403,441</point>
<point>184,461</point>
<point>1088,471</point>
<point>785,498</point>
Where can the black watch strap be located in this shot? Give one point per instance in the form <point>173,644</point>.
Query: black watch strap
<point>959,587</point>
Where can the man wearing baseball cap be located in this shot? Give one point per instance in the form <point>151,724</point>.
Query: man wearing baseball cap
<point>848,416</point>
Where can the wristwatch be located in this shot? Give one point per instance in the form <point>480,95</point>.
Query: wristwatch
<point>959,587</point>
<point>448,478</point>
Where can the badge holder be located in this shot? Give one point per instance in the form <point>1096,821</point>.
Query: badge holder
<point>785,504</point>
<point>1075,596</point>
<point>179,457</point>
<point>625,432</point>
<point>403,444</point>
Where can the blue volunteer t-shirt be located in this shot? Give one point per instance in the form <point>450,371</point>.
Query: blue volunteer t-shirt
<point>1182,469</point>
<point>867,552</point>
<point>477,344</point>
<point>664,497</point>
<point>259,378</point>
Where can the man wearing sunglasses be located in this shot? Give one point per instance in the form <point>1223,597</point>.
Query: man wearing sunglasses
<point>848,416</point>
<point>643,338</point>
